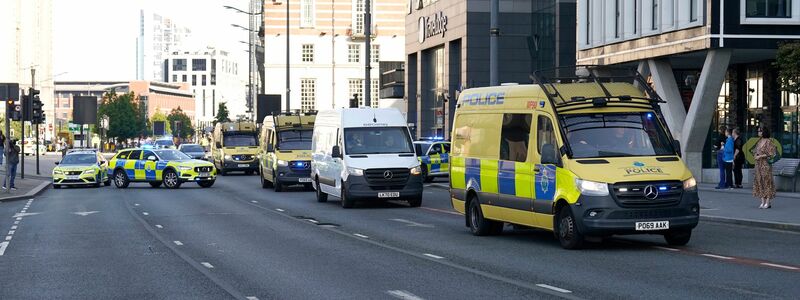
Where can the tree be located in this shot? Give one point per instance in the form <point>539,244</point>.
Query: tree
<point>787,61</point>
<point>158,116</point>
<point>222,114</point>
<point>185,130</point>
<point>123,115</point>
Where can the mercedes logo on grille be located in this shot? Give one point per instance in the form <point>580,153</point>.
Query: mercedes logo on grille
<point>387,175</point>
<point>650,192</point>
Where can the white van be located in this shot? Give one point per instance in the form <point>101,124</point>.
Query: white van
<point>364,154</point>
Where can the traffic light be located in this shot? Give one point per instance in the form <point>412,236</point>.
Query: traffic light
<point>25,105</point>
<point>29,105</point>
<point>10,106</point>
<point>37,117</point>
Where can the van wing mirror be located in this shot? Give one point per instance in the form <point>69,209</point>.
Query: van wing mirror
<point>677,145</point>
<point>336,152</point>
<point>549,156</point>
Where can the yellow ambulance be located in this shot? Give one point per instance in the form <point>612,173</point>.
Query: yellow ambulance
<point>584,152</point>
<point>234,148</point>
<point>285,149</point>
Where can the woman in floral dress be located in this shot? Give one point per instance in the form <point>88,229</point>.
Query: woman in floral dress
<point>763,184</point>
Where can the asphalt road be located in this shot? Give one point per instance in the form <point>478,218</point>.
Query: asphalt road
<point>236,240</point>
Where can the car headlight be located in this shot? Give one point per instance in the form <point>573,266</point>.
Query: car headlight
<point>282,163</point>
<point>228,157</point>
<point>184,168</point>
<point>591,188</point>
<point>416,170</point>
<point>88,172</point>
<point>355,171</point>
<point>690,184</point>
<point>58,172</point>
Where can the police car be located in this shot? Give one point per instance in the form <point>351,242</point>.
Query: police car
<point>433,154</point>
<point>81,167</point>
<point>156,166</point>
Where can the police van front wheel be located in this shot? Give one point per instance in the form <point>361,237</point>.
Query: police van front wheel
<point>479,225</point>
<point>567,230</point>
<point>678,237</point>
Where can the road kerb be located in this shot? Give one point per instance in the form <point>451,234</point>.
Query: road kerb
<point>753,223</point>
<point>32,193</point>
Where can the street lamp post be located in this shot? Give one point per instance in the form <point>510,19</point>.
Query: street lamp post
<point>251,91</point>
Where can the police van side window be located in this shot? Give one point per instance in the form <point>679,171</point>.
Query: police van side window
<point>545,133</point>
<point>514,137</point>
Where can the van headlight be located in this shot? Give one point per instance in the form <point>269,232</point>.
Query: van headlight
<point>88,172</point>
<point>355,171</point>
<point>58,172</point>
<point>282,163</point>
<point>591,188</point>
<point>416,170</point>
<point>690,184</point>
<point>228,157</point>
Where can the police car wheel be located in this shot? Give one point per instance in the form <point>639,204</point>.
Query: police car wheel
<point>568,234</point>
<point>108,181</point>
<point>321,196</point>
<point>479,225</point>
<point>678,237</point>
<point>121,179</point>
<point>171,180</point>
<point>56,186</point>
<point>425,177</point>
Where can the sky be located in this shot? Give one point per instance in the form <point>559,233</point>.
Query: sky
<point>96,39</point>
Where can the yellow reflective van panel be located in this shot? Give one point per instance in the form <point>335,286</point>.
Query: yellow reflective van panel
<point>457,172</point>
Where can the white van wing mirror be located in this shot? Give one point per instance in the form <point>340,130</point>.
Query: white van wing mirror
<point>336,152</point>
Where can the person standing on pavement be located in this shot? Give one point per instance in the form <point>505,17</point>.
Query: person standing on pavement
<point>727,156</point>
<point>12,151</point>
<point>2,147</point>
<point>738,158</point>
<point>720,161</point>
<point>763,184</point>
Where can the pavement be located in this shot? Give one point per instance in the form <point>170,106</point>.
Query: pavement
<point>237,240</point>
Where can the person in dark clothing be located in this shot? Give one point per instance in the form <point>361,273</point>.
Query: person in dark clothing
<point>738,158</point>
<point>12,152</point>
<point>721,162</point>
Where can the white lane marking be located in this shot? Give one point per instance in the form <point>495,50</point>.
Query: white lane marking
<point>178,243</point>
<point>8,237</point>
<point>432,256</point>
<point>254,201</point>
<point>405,295</point>
<point>146,213</point>
<point>20,215</point>
<point>361,235</point>
<point>554,288</point>
<point>716,256</point>
<point>280,210</point>
<point>780,266</point>
<point>19,218</point>
<point>159,226</point>
<point>667,248</point>
<point>412,223</point>
<point>313,221</point>
<point>85,213</point>
<point>136,204</point>
<point>252,298</point>
<point>14,227</point>
<point>3,246</point>
<point>16,222</point>
<point>11,232</point>
<point>207,265</point>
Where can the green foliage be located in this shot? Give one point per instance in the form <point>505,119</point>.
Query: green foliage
<point>186,129</point>
<point>158,116</point>
<point>222,114</point>
<point>16,128</point>
<point>787,61</point>
<point>125,119</point>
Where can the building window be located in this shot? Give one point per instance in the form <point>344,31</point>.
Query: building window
<point>203,80</point>
<point>354,53</point>
<point>375,92</point>
<point>184,78</point>
<point>356,88</point>
<point>307,13</point>
<point>64,116</point>
<point>199,64</point>
<point>65,104</point>
<point>308,53</point>
<point>308,90</point>
<point>213,79</point>
<point>692,10</point>
<point>588,21</point>
<point>358,23</point>
<point>194,80</point>
<point>617,18</point>
<point>768,8</point>
<point>375,54</point>
<point>179,64</point>
<point>174,78</point>
<point>654,18</point>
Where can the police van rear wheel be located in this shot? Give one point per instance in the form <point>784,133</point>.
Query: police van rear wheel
<point>479,225</point>
<point>121,179</point>
<point>678,237</point>
<point>567,230</point>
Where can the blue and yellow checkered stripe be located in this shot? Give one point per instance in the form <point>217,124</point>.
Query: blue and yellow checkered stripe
<point>436,163</point>
<point>138,169</point>
<point>493,176</point>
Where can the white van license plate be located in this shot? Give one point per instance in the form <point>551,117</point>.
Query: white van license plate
<point>243,165</point>
<point>656,225</point>
<point>389,195</point>
<point>304,180</point>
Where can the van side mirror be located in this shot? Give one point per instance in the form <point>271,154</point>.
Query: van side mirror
<point>677,145</point>
<point>57,162</point>
<point>270,148</point>
<point>336,152</point>
<point>549,156</point>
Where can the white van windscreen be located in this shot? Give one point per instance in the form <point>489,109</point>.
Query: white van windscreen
<point>384,140</point>
<point>616,135</point>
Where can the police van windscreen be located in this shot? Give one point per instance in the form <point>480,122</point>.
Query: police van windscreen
<point>384,140</point>
<point>616,135</point>
<point>239,140</point>
<point>299,139</point>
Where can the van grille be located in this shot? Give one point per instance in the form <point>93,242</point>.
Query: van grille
<point>632,194</point>
<point>648,214</point>
<point>73,172</point>
<point>243,157</point>
<point>385,177</point>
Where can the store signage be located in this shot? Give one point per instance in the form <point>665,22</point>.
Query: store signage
<point>432,26</point>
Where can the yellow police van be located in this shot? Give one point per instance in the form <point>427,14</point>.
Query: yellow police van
<point>285,149</point>
<point>584,152</point>
<point>235,147</point>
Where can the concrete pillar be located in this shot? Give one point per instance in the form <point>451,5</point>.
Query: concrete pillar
<point>666,87</point>
<point>704,102</point>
